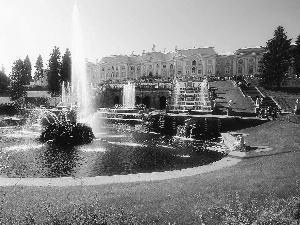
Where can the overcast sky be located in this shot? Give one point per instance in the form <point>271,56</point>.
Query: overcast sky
<point>33,27</point>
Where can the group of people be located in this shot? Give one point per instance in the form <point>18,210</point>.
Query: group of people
<point>268,113</point>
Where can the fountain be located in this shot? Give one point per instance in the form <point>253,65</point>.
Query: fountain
<point>191,97</point>
<point>80,88</point>
<point>129,96</point>
<point>113,146</point>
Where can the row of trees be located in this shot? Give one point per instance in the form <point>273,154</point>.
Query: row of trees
<point>280,57</point>
<point>57,71</point>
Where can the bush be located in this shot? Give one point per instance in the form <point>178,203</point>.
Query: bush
<point>8,109</point>
<point>67,133</point>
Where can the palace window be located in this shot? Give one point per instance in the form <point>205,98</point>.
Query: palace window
<point>117,68</point>
<point>251,70</point>
<point>157,66</point>
<point>171,66</point>
<point>228,61</point>
<point>102,68</point>
<point>144,67</point>
<point>218,62</point>
<point>209,69</point>
<point>123,74</point>
<point>240,69</point>
<point>138,68</point>
<point>193,70</point>
<point>150,67</point>
<point>132,67</point>
<point>112,68</point>
<point>194,63</point>
<point>209,62</point>
<point>123,67</point>
<point>179,63</point>
<point>251,60</point>
<point>200,62</point>
<point>227,70</point>
<point>164,66</point>
<point>240,61</point>
<point>200,70</point>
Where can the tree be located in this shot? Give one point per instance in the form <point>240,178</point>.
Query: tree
<point>53,76</point>
<point>296,57</point>
<point>4,82</point>
<point>18,80</point>
<point>27,70</point>
<point>276,61</point>
<point>39,68</point>
<point>66,70</point>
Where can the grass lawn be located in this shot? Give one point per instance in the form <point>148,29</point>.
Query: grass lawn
<point>268,178</point>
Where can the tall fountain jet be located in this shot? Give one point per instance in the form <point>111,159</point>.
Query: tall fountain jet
<point>80,88</point>
<point>129,95</point>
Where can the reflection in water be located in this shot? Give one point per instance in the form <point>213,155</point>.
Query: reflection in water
<point>60,160</point>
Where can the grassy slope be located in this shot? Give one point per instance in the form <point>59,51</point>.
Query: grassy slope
<point>271,176</point>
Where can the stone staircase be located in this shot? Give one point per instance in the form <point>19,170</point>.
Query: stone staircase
<point>254,93</point>
<point>268,102</point>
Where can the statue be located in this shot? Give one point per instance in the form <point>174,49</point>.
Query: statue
<point>153,48</point>
<point>229,109</point>
<point>239,144</point>
<point>296,106</point>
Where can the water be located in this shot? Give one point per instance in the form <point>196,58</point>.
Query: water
<point>80,87</point>
<point>117,149</point>
<point>191,96</point>
<point>129,95</point>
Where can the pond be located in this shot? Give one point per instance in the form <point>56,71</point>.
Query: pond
<point>116,149</point>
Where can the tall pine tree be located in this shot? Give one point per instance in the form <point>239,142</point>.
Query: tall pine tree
<point>18,80</point>
<point>66,70</point>
<point>27,70</point>
<point>4,81</point>
<point>39,68</point>
<point>53,76</point>
<point>296,57</point>
<point>276,61</point>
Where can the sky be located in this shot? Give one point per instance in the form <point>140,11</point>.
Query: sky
<point>113,27</point>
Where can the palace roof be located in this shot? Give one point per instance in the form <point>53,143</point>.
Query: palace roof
<point>158,56</point>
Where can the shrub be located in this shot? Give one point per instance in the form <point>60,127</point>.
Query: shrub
<point>67,133</point>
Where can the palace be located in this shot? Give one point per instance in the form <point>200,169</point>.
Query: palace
<point>196,64</point>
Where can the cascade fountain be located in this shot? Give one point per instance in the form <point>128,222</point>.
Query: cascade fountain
<point>191,96</point>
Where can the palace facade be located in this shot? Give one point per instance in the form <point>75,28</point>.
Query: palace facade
<point>196,63</point>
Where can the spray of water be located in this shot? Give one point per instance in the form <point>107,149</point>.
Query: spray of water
<point>80,88</point>
<point>129,95</point>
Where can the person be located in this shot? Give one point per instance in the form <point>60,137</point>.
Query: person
<point>239,144</point>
